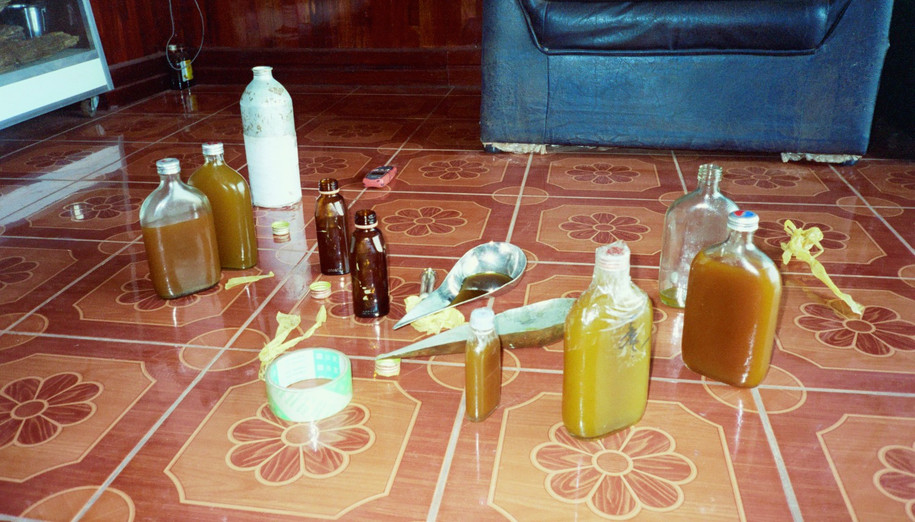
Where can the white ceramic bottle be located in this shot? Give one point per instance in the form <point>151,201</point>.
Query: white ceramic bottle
<point>270,142</point>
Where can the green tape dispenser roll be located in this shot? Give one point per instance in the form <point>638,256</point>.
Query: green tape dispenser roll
<point>315,403</point>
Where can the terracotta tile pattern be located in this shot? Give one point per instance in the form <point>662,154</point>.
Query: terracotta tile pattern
<point>117,405</point>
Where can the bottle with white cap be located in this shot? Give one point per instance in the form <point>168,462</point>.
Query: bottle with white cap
<point>606,350</point>
<point>179,235</point>
<point>230,198</point>
<point>482,366</point>
<point>732,307</point>
<point>271,147</point>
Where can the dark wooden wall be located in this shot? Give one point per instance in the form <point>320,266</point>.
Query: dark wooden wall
<point>308,41</point>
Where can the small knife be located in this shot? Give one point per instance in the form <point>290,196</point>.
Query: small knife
<point>537,324</point>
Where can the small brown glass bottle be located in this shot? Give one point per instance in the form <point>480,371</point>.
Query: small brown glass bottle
<point>370,267</point>
<point>331,228</point>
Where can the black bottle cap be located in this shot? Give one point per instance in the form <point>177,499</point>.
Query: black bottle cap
<point>365,218</point>
<point>328,185</point>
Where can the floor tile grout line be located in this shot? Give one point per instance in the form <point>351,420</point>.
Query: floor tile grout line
<point>673,155</point>
<point>439,493</point>
<point>177,402</point>
<point>67,287</point>
<point>787,487</point>
<point>519,198</point>
<point>871,208</point>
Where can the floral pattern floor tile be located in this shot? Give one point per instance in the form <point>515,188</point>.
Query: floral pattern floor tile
<point>118,405</point>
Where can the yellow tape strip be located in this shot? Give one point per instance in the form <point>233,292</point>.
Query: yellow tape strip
<point>279,344</point>
<point>801,243</point>
<point>235,281</point>
<point>434,323</point>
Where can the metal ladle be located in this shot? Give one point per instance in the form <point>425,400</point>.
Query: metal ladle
<point>504,259</point>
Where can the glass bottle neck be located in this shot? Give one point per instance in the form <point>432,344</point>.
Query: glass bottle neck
<point>169,180</point>
<point>739,239</point>
<point>214,159</point>
<point>617,282</point>
<point>708,183</point>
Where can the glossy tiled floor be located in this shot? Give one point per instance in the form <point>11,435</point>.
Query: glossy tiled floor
<point>116,405</point>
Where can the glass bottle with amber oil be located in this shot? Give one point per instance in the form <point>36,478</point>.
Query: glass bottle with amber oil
<point>230,198</point>
<point>369,267</point>
<point>331,228</point>
<point>607,350</point>
<point>482,366</point>
<point>732,307</point>
<point>179,235</point>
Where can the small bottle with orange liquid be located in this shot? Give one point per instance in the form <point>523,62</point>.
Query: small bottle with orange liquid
<point>179,235</point>
<point>482,366</point>
<point>607,350</point>
<point>731,307</point>
<point>230,198</point>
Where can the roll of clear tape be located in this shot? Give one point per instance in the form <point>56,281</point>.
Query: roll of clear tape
<point>314,403</point>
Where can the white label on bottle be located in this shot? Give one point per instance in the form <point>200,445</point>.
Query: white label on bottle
<point>273,171</point>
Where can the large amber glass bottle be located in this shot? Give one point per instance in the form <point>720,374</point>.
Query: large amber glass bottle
<point>230,198</point>
<point>691,223</point>
<point>331,229</point>
<point>732,307</point>
<point>370,267</point>
<point>179,235</point>
<point>482,366</point>
<point>607,350</point>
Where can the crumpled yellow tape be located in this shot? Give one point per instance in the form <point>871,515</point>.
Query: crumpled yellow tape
<point>801,243</point>
<point>434,323</point>
<point>276,346</point>
<point>235,281</point>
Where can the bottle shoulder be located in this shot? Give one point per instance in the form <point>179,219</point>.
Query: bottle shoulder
<point>173,204</point>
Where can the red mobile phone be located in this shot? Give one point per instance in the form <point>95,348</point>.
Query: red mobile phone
<point>379,176</point>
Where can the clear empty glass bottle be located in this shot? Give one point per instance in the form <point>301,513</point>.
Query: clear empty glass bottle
<point>692,222</point>
<point>732,307</point>
<point>607,350</point>
<point>230,199</point>
<point>370,267</point>
<point>179,235</point>
<point>331,228</point>
<point>482,366</point>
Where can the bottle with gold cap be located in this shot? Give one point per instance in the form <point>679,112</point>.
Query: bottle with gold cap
<point>179,235</point>
<point>331,228</point>
<point>369,267</point>
<point>607,350</point>
<point>482,366</point>
<point>230,198</point>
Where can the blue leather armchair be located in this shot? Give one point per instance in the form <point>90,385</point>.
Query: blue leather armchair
<point>788,76</point>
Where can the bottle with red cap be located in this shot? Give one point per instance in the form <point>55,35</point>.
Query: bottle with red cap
<point>606,350</point>
<point>731,307</point>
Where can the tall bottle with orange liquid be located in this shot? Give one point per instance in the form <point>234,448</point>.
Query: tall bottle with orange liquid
<point>731,307</point>
<point>230,198</point>
<point>607,350</point>
<point>179,235</point>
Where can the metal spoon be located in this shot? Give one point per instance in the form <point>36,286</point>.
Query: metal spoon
<point>471,278</point>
